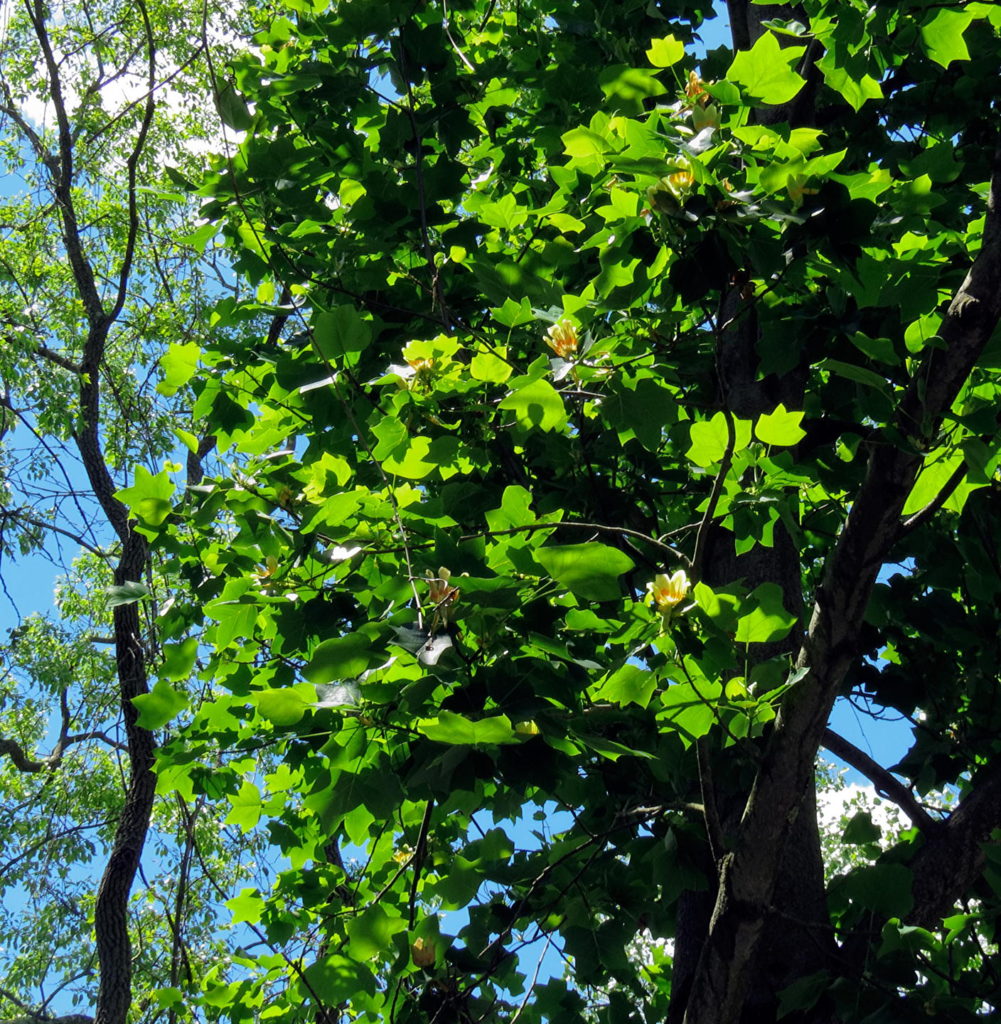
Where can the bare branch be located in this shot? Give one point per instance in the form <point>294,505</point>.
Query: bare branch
<point>16,514</point>
<point>886,785</point>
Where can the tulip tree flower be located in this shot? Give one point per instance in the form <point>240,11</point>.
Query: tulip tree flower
<point>443,595</point>
<point>667,592</point>
<point>562,338</point>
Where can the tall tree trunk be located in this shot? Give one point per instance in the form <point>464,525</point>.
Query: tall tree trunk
<point>102,310</point>
<point>795,935</point>
<point>747,954</point>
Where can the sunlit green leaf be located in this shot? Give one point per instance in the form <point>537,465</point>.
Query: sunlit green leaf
<point>768,620</point>
<point>765,72</point>
<point>591,570</point>
<point>665,52</point>
<point>537,404</point>
<point>160,705</point>
<point>780,427</point>
<point>942,36</point>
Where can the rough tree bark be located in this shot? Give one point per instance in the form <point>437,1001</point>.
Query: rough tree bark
<point>750,872</point>
<point>101,312</point>
<point>767,923</point>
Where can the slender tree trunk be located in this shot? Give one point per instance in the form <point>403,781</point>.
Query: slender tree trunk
<point>111,912</point>
<point>102,308</point>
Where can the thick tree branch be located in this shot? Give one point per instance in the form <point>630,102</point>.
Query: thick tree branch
<point>952,858</point>
<point>63,173</point>
<point>20,760</point>
<point>58,359</point>
<point>886,785</point>
<point>132,165</point>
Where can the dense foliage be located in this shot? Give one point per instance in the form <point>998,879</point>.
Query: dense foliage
<point>598,409</point>
<point>570,316</point>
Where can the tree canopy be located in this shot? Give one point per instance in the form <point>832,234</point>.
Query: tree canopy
<point>597,402</point>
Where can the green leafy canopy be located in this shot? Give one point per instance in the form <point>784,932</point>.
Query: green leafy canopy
<point>589,379</point>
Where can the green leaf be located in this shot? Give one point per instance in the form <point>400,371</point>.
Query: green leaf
<point>247,907</point>
<point>503,213</point>
<point>337,979</point>
<point>857,373</point>
<point>537,404</point>
<point>586,149</point>
<point>879,349</point>
<point>938,467</point>
<point>626,88</point>
<point>711,437</point>
<point>451,728</point>
<point>590,570</point>
<point>768,621</point>
<point>884,889</point>
<point>513,314</point>
<point>861,829</point>
<point>628,685</point>
<point>854,88</point>
<point>780,427</point>
<point>178,659</point>
<point>490,367</point>
<point>127,593</point>
<point>942,36</point>
<point>720,606</point>
<point>287,705</point>
<point>159,706</point>
<point>340,333</point>
<point>611,749</point>
<point>690,710</point>
<point>245,807</point>
<point>665,52</point>
<point>803,993</point>
<point>178,364</point>
<point>372,931</point>
<point>765,71</point>
<point>233,108</point>
<point>344,657</point>
<point>149,497</point>
<point>410,460</point>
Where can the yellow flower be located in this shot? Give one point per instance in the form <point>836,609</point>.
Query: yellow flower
<point>424,370</point>
<point>442,593</point>
<point>681,181</point>
<point>695,87</point>
<point>562,338</point>
<point>422,952</point>
<point>269,569</point>
<point>667,592</point>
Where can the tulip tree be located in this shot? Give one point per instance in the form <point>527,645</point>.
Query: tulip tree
<point>603,405</point>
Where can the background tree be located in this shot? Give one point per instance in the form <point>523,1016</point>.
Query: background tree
<point>96,280</point>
